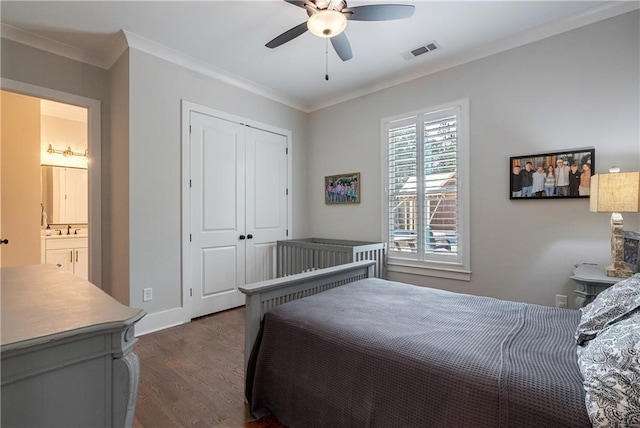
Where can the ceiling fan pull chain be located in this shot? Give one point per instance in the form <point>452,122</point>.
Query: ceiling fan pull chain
<point>326,59</point>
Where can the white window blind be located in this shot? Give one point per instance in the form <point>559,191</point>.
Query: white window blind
<point>425,199</point>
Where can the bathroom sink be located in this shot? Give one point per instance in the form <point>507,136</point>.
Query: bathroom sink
<point>65,236</point>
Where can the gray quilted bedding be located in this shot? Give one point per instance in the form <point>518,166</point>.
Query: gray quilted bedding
<point>376,353</point>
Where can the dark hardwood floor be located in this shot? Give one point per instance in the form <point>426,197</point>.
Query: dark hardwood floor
<point>192,375</point>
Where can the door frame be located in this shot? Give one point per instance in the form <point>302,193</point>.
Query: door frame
<point>94,144</point>
<point>187,107</point>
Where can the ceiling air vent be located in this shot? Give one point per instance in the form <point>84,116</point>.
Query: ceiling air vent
<point>427,47</point>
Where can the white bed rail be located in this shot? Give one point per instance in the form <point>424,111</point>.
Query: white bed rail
<point>266,295</point>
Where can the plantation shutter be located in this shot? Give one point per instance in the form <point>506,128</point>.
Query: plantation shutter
<point>423,187</point>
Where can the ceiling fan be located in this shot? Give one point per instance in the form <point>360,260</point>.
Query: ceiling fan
<point>328,18</point>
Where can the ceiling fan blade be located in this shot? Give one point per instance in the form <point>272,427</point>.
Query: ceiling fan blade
<point>342,46</point>
<point>380,12</point>
<point>288,35</point>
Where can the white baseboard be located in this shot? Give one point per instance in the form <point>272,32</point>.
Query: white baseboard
<point>161,320</point>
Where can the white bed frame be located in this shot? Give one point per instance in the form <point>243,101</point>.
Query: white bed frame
<point>266,295</point>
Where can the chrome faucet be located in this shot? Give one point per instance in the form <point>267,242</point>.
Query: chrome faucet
<point>69,230</point>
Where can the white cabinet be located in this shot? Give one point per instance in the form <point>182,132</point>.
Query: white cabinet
<point>70,254</point>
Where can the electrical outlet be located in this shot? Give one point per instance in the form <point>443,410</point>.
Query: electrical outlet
<point>147,294</point>
<point>561,301</point>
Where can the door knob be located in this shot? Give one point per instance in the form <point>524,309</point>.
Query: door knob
<point>4,241</point>
<point>242,237</point>
<point>249,236</point>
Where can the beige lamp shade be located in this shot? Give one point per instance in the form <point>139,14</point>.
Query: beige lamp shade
<point>617,192</point>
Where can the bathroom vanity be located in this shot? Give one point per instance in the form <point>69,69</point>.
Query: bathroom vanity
<point>68,252</point>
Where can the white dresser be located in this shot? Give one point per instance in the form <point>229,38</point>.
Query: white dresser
<point>67,352</point>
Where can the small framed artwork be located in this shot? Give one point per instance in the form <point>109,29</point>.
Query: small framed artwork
<point>557,175</point>
<point>631,249</point>
<point>342,188</point>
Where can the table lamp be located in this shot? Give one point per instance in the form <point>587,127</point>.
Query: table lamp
<point>616,192</point>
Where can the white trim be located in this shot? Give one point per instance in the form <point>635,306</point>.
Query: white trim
<point>95,165</point>
<point>160,320</point>
<point>52,46</point>
<point>406,268</point>
<point>106,59</point>
<point>531,35</point>
<point>186,108</point>
<point>116,49</point>
<point>432,266</point>
<point>185,111</point>
<point>152,48</point>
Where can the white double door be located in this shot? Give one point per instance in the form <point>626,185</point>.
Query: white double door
<point>238,209</point>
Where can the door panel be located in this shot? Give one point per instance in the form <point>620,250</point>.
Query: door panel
<point>220,186</point>
<point>216,275</point>
<point>238,209</point>
<point>218,255</point>
<point>266,201</point>
<point>20,180</point>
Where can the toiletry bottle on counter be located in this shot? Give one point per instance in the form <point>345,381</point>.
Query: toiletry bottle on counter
<point>47,231</point>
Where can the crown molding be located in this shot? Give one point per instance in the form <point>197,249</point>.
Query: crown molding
<point>117,47</point>
<point>44,43</point>
<point>178,58</point>
<point>520,39</point>
<point>125,39</point>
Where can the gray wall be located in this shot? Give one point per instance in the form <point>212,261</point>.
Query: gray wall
<point>573,90</point>
<point>116,229</point>
<point>156,90</point>
<point>36,67</point>
<point>576,89</point>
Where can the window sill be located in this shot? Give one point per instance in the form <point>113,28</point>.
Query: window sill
<point>401,266</point>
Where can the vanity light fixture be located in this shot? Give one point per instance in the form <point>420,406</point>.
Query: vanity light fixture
<point>67,152</point>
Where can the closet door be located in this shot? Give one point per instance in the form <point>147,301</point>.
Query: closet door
<point>217,157</point>
<point>238,209</point>
<point>266,201</point>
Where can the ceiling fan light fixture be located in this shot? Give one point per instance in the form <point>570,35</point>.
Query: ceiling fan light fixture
<point>327,23</point>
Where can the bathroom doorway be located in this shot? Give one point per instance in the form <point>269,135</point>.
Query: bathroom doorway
<point>47,163</point>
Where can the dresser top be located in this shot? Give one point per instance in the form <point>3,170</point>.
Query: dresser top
<point>42,303</point>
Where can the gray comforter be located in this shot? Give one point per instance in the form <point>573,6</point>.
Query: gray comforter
<point>376,353</point>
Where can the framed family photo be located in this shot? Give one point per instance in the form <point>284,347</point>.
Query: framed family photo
<point>557,175</point>
<point>342,188</point>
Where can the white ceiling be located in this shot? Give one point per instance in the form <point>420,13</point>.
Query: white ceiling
<point>63,111</point>
<point>227,38</point>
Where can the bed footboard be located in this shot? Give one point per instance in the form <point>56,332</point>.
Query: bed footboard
<point>266,295</point>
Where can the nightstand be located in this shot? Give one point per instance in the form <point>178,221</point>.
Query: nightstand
<point>590,280</point>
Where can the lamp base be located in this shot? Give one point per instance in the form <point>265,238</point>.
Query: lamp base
<point>618,270</point>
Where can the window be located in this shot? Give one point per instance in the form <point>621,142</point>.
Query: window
<point>426,191</point>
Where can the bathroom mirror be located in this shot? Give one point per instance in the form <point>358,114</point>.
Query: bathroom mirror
<point>65,194</point>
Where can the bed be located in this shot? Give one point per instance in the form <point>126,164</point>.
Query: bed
<point>350,350</point>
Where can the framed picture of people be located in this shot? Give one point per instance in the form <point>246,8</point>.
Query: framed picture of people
<point>557,175</point>
<point>342,188</point>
